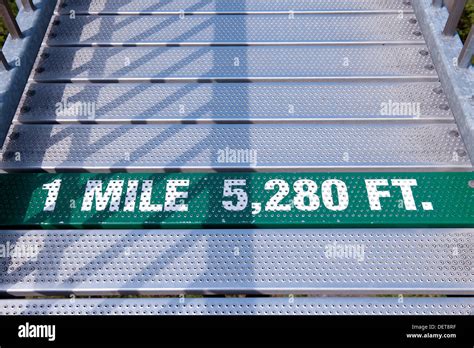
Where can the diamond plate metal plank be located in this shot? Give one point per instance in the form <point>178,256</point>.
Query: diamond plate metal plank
<point>231,102</point>
<point>287,147</point>
<point>229,29</point>
<point>144,6</point>
<point>239,261</point>
<point>241,306</point>
<point>64,64</point>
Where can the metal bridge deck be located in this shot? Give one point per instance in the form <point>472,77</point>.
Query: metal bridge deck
<point>304,91</point>
<point>242,306</point>
<point>157,86</point>
<point>219,6</point>
<point>390,261</point>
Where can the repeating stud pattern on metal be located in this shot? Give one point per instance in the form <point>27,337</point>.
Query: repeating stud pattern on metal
<point>393,74</point>
<point>237,199</point>
<point>286,147</point>
<point>228,29</point>
<point>64,64</point>
<point>323,261</point>
<point>358,56</point>
<point>241,306</point>
<point>143,6</point>
<point>231,102</point>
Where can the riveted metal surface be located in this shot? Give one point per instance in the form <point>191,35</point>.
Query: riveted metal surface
<point>227,29</point>
<point>112,63</point>
<point>231,102</point>
<point>239,261</point>
<point>236,199</point>
<point>144,6</point>
<point>458,82</point>
<point>321,261</point>
<point>241,306</point>
<point>196,147</point>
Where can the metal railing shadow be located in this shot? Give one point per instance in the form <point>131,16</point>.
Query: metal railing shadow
<point>197,148</point>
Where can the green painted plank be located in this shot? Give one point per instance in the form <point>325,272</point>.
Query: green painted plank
<point>181,200</point>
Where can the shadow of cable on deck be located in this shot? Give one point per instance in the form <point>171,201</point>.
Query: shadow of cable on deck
<point>50,243</point>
